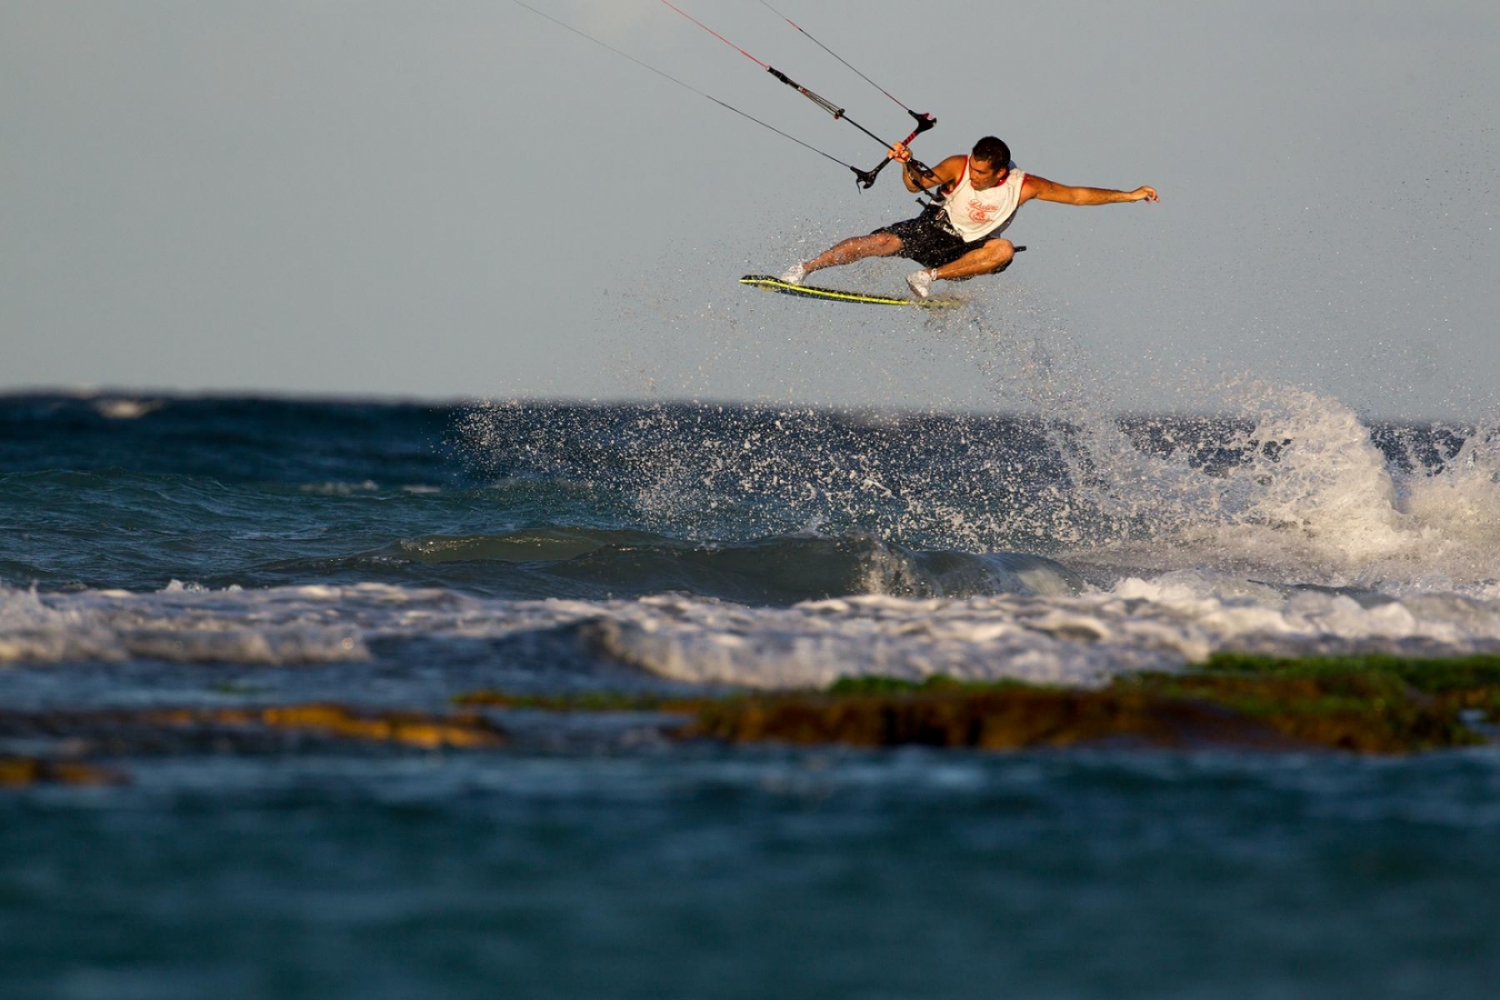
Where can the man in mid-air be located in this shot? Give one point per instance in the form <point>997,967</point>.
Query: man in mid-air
<point>961,237</point>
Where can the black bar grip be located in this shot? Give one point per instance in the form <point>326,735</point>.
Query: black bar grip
<point>925,121</point>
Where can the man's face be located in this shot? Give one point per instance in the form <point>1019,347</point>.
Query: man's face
<point>986,175</point>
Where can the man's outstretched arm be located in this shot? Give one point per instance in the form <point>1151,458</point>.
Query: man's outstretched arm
<point>1045,190</point>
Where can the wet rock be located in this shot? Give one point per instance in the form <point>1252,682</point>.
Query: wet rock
<point>25,772</point>
<point>466,730</point>
<point>1013,718</point>
<point>125,732</point>
<point>588,701</point>
<point>1379,705</point>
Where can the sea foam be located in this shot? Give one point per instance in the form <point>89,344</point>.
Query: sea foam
<point>1160,623</point>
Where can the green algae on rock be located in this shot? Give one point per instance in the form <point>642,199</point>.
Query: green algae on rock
<point>1345,710</point>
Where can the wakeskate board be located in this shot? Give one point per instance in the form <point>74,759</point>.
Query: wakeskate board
<point>768,283</point>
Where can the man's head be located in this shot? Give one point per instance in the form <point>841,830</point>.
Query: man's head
<point>989,164</point>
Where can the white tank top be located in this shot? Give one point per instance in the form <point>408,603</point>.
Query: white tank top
<point>977,214</point>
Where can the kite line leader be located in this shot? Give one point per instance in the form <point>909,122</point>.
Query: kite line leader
<point>865,178</point>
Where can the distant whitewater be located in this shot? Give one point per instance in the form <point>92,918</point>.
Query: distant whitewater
<point>729,545</point>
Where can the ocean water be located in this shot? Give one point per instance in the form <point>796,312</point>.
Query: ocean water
<point>214,552</point>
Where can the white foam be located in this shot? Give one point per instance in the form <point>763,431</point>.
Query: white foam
<point>1141,624</point>
<point>340,489</point>
<point>179,624</point>
<point>1160,623</point>
<point>1316,502</point>
<point>126,409</point>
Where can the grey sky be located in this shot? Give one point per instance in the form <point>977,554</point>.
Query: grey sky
<point>458,198</point>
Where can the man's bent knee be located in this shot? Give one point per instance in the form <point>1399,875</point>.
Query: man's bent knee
<point>998,253</point>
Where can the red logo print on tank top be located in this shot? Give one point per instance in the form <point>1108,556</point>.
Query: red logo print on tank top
<point>980,212</point>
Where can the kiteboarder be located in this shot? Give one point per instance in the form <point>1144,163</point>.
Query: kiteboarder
<point>959,237</point>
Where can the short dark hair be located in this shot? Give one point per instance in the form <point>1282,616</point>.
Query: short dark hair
<point>992,151</point>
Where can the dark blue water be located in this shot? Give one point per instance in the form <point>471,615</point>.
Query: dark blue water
<point>701,873</point>
<point>226,552</point>
<point>500,501</point>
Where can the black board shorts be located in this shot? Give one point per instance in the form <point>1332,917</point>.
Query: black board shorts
<point>930,239</point>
